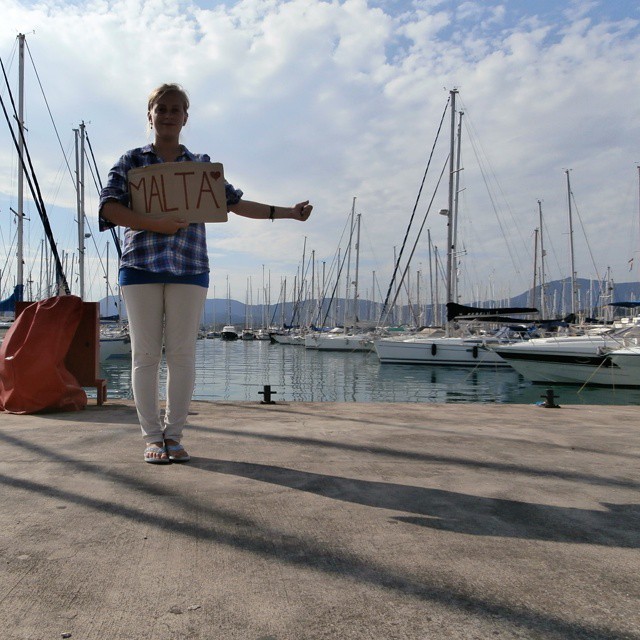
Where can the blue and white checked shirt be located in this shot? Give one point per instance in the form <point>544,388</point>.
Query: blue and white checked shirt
<point>184,253</point>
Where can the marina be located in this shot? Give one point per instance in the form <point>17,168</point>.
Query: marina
<point>239,370</point>
<point>442,441</point>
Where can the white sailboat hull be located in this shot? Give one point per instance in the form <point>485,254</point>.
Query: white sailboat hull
<point>288,338</point>
<point>437,351</point>
<point>339,342</point>
<point>628,363</point>
<point>115,342</point>
<point>571,360</point>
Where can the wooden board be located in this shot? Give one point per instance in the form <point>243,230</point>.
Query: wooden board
<point>193,191</point>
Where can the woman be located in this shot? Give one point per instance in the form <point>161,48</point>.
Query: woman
<point>164,277</point>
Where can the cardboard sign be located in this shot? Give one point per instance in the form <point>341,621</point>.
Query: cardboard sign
<point>194,191</point>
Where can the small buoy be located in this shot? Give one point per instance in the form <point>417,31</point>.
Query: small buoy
<point>434,348</point>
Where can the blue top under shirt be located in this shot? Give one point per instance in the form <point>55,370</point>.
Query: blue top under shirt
<point>127,275</point>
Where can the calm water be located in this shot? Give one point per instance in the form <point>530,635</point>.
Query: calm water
<point>239,370</point>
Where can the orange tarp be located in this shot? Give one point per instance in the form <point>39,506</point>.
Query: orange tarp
<point>33,375</point>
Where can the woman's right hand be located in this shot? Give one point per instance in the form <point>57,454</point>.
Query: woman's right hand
<point>168,226</point>
<point>120,215</point>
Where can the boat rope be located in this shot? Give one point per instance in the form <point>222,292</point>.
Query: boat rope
<point>92,168</point>
<point>586,239</point>
<point>46,102</point>
<point>375,286</point>
<point>477,151</point>
<point>296,312</point>
<point>413,213</point>
<point>32,181</point>
<point>416,316</point>
<point>338,275</point>
<point>98,184</point>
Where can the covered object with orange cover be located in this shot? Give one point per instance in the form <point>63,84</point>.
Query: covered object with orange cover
<point>33,375</point>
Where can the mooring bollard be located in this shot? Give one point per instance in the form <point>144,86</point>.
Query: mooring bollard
<point>549,398</point>
<point>266,395</point>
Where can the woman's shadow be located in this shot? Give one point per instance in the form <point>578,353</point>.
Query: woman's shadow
<point>615,525</point>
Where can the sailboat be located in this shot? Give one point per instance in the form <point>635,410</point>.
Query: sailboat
<point>345,338</point>
<point>115,341</point>
<point>600,356</point>
<point>26,171</point>
<point>585,359</point>
<point>228,332</point>
<point>431,347</point>
<point>436,349</point>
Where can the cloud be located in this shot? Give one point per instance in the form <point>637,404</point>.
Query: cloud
<point>329,100</point>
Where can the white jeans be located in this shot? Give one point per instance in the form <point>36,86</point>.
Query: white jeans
<point>172,311</point>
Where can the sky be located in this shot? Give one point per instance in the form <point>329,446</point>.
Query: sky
<point>342,99</point>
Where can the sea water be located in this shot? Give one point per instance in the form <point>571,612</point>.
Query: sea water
<point>239,370</point>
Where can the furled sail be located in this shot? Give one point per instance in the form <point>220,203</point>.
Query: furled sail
<point>455,310</point>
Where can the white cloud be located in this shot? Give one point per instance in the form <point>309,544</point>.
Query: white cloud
<point>335,99</point>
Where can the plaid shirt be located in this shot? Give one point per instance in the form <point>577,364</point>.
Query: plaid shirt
<point>184,253</point>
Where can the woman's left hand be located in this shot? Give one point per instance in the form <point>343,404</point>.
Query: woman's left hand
<point>302,211</point>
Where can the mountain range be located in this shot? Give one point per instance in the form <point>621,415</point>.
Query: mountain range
<point>220,311</point>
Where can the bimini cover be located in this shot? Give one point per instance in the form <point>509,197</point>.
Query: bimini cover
<point>33,376</point>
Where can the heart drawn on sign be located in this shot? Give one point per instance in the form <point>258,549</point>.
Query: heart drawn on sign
<point>215,175</point>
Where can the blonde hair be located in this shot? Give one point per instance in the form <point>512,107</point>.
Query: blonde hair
<point>163,89</point>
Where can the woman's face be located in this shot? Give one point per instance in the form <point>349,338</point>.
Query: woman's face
<point>168,115</point>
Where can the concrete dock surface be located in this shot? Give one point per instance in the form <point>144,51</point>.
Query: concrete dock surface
<point>305,521</point>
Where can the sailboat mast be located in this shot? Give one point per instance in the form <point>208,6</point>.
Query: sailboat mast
<point>452,157</point>
<point>106,279</point>
<point>532,297</point>
<point>638,167</point>
<point>299,287</point>
<point>432,318</point>
<point>20,239</point>
<point>215,304</point>
<point>355,285</point>
<point>373,312</point>
<point>284,301</point>
<point>313,279</point>
<point>437,289</point>
<point>347,292</point>
<point>543,284</point>
<point>574,305</point>
<point>456,194</point>
<point>80,161</point>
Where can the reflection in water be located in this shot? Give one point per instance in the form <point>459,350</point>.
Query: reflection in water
<point>238,370</point>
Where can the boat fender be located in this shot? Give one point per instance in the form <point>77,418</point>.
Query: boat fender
<point>434,349</point>
<point>474,351</point>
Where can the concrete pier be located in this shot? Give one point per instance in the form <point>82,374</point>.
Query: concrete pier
<point>309,521</point>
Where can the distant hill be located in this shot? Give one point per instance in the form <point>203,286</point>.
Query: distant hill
<point>219,311</point>
<point>589,294</point>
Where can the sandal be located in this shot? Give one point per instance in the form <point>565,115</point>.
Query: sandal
<point>172,449</point>
<point>155,449</point>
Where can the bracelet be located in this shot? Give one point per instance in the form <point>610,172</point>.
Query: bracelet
<point>272,212</point>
